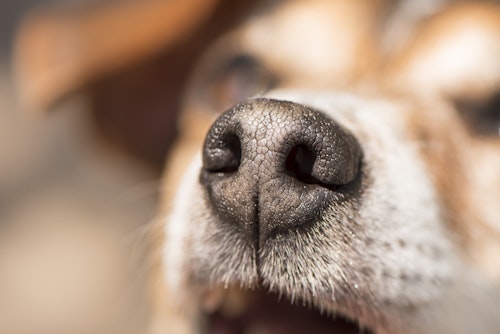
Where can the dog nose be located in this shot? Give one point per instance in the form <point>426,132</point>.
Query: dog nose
<point>272,166</point>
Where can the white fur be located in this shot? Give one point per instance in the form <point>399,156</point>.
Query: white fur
<point>398,212</point>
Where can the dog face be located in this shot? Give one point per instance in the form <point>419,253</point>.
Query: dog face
<point>377,205</point>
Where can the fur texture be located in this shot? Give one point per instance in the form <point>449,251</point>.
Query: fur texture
<point>411,247</point>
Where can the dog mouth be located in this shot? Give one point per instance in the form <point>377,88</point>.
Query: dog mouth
<point>237,311</point>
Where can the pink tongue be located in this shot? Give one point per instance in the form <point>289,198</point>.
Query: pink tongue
<point>272,317</point>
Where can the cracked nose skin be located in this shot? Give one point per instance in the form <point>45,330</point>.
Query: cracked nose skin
<point>270,166</point>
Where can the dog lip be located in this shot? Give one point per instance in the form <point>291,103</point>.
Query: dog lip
<point>238,310</point>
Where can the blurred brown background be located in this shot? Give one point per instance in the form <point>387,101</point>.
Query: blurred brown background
<point>73,210</point>
<point>89,95</point>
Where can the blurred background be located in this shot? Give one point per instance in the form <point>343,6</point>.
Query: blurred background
<point>73,206</point>
<point>89,95</point>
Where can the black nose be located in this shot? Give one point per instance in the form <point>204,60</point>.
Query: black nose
<point>270,166</point>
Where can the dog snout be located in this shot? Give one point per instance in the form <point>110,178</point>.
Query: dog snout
<point>270,166</point>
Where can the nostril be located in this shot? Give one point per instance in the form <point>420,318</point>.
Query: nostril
<point>270,166</point>
<point>299,164</point>
<point>225,156</point>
